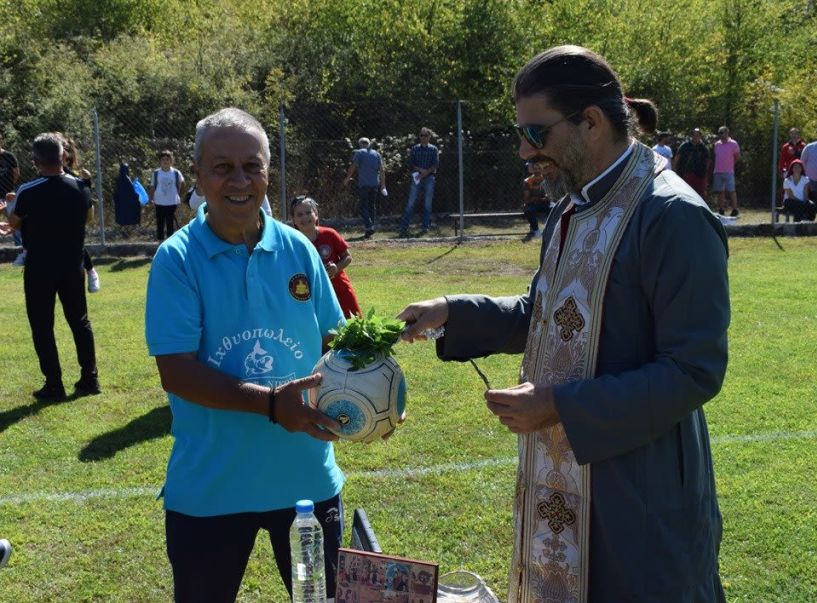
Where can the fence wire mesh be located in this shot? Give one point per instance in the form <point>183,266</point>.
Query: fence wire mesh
<point>313,144</point>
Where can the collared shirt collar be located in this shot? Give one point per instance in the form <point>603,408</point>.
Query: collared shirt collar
<point>595,189</point>
<point>270,236</point>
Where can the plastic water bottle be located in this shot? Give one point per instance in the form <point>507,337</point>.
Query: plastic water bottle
<point>306,546</point>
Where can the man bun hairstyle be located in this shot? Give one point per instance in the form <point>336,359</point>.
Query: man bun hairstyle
<point>574,78</point>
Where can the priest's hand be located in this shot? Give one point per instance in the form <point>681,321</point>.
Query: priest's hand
<point>422,316</point>
<point>524,408</point>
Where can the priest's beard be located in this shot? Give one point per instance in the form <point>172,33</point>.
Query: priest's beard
<point>573,166</point>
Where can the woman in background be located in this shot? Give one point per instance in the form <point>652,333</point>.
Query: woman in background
<point>70,165</point>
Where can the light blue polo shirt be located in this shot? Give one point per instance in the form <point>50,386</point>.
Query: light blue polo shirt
<point>259,317</point>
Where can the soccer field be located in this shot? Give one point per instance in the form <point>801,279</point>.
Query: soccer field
<point>79,479</point>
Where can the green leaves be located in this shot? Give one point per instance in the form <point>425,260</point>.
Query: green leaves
<point>364,338</point>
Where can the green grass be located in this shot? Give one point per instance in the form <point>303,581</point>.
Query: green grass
<point>105,539</point>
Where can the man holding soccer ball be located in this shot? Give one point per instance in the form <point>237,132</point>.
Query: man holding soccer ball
<point>239,309</point>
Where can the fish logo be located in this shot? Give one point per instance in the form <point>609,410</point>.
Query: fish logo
<point>258,362</point>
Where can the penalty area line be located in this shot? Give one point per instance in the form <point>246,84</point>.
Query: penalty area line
<point>119,493</point>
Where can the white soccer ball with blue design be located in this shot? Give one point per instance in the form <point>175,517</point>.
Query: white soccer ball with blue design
<point>368,402</point>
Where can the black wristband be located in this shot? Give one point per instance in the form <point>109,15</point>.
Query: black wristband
<point>271,405</point>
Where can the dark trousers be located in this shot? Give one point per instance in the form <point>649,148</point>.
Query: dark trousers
<point>42,285</point>
<point>165,217</point>
<point>209,554</point>
<point>86,260</point>
<point>800,210</point>
<point>367,195</point>
<point>532,209</point>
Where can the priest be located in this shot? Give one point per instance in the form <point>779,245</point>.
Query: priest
<point>623,331</point>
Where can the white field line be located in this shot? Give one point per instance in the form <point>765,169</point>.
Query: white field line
<point>114,493</point>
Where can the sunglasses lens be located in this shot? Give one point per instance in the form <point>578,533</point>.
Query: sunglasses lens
<point>532,134</point>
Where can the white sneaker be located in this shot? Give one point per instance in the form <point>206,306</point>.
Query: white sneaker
<point>93,280</point>
<point>5,551</point>
<point>20,260</point>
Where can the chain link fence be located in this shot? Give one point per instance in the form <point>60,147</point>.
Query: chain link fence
<point>311,146</point>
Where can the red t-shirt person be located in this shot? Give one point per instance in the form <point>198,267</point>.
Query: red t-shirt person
<point>331,247</point>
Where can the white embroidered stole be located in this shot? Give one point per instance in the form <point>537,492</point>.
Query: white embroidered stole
<point>552,507</point>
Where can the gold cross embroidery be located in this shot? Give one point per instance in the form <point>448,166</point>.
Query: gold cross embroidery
<point>556,513</point>
<point>568,319</point>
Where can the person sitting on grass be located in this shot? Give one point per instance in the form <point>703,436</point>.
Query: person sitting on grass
<point>334,251</point>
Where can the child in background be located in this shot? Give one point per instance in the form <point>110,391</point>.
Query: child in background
<point>333,249</point>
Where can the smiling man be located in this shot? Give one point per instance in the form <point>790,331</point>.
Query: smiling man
<point>624,338</point>
<point>239,307</point>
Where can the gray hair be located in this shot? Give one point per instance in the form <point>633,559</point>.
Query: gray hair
<point>363,142</point>
<point>47,149</point>
<point>230,118</point>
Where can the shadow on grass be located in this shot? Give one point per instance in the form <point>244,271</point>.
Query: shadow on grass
<point>442,255</point>
<point>155,424</point>
<point>128,264</point>
<point>14,415</point>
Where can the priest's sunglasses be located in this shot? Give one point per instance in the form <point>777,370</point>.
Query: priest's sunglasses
<point>537,135</point>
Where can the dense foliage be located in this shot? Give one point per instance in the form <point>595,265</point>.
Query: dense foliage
<point>385,67</point>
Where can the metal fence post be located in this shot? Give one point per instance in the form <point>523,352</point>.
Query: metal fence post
<point>459,160</point>
<point>282,151</point>
<point>99,192</point>
<point>774,155</point>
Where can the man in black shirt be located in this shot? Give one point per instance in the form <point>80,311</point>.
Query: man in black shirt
<point>51,212</point>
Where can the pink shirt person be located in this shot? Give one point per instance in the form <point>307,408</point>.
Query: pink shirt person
<point>726,152</point>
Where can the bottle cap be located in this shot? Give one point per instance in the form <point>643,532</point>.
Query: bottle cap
<point>304,506</point>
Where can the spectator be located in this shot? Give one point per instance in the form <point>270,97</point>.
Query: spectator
<point>624,333</point>
<point>9,171</point>
<point>166,192</point>
<point>809,159</point>
<point>663,148</point>
<point>126,204</point>
<point>727,154</point>
<point>371,179</point>
<point>52,211</point>
<point>334,251</point>
<point>796,193</point>
<point>692,162</point>
<point>791,150</point>
<point>424,159</point>
<point>9,176</point>
<point>70,165</point>
<point>5,227</point>
<point>238,311</point>
<point>534,198</point>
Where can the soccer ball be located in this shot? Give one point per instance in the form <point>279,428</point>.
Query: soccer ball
<point>368,402</point>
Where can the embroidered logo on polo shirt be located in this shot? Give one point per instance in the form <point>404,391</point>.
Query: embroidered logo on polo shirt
<point>299,287</point>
